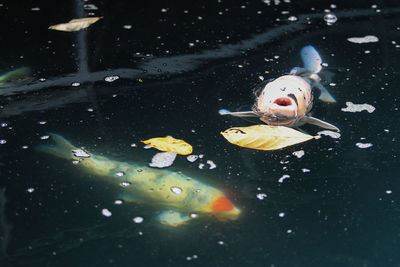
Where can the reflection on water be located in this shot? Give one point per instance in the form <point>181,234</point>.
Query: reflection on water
<point>141,73</point>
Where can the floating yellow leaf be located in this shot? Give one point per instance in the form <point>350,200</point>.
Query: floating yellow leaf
<point>170,144</point>
<point>265,137</point>
<point>75,24</point>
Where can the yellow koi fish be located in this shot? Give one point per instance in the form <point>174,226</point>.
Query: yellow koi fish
<point>181,197</point>
<point>287,100</point>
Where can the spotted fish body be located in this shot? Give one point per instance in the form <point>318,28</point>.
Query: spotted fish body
<point>175,193</point>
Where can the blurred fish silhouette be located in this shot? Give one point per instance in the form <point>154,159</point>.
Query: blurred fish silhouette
<point>181,197</point>
<point>21,73</point>
<point>287,100</point>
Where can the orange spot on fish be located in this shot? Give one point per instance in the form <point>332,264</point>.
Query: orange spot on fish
<point>221,204</point>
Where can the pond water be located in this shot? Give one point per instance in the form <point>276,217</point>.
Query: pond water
<point>158,70</point>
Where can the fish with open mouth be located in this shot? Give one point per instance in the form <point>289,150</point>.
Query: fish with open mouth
<point>180,197</point>
<point>287,100</point>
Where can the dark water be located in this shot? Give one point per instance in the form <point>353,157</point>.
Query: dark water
<point>177,66</point>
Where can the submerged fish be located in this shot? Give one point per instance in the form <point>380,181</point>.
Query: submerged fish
<point>21,73</point>
<point>179,196</point>
<point>287,100</point>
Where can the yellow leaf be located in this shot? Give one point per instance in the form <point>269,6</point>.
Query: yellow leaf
<point>170,144</point>
<point>75,24</point>
<point>265,137</point>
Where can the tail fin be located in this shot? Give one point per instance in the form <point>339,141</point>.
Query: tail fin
<point>62,148</point>
<point>311,59</point>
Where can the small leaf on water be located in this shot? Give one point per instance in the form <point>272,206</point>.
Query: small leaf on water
<point>170,144</point>
<point>75,24</point>
<point>265,137</point>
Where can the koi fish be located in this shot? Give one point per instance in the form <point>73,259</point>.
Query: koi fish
<point>287,100</point>
<point>181,197</point>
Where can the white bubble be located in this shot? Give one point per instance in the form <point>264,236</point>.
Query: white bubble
<point>330,18</point>
<point>221,243</point>
<point>120,174</point>
<point>305,170</point>
<point>90,7</point>
<point>125,184</point>
<point>292,18</point>
<point>299,153</point>
<point>388,192</point>
<point>284,177</point>
<point>106,212</point>
<point>3,141</point>
<point>192,158</point>
<point>42,122</point>
<point>351,107</point>
<point>176,190</point>
<point>76,84</point>
<point>212,164</point>
<point>127,27</point>
<point>331,134</point>
<point>79,153</point>
<point>138,219</point>
<point>364,145</point>
<point>44,137</point>
<point>163,159</point>
<point>118,202</point>
<point>30,190</point>
<point>111,78</point>
<point>363,40</point>
<point>261,196</point>
<point>282,214</point>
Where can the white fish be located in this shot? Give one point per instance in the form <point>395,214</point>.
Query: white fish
<point>287,100</point>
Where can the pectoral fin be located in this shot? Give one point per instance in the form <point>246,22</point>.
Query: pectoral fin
<point>237,114</point>
<point>320,123</point>
<point>173,218</point>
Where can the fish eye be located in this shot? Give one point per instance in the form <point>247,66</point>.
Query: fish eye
<point>300,89</point>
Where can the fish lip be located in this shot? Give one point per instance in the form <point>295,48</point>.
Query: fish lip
<point>283,101</point>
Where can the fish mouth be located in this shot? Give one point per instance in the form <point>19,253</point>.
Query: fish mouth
<point>283,107</point>
<point>282,111</point>
<point>283,102</point>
